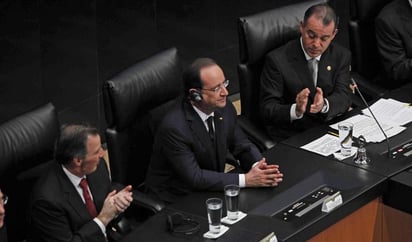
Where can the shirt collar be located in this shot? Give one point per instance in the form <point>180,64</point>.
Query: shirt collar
<point>201,114</point>
<point>410,3</point>
<point>73,178</point>
<point>308,57</point>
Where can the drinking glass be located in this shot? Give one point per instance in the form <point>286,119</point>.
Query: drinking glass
<point>232,201</point>
<point>214,214</point>
<point>345,138</point>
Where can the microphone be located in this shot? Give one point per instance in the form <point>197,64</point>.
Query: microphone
<point>373,115</point>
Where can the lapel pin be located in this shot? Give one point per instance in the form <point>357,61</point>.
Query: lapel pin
<point>220,118</point>
<point>329,68</point>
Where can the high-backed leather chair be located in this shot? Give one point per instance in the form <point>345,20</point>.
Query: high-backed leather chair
<point>26,151</point>
<point>135,101</point>
<point>259,34</point>
<point>365,57</point>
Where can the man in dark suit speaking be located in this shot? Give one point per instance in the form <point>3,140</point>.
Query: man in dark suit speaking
<point>306,81</point>
<point>74,201</point>
<point>193,139</point>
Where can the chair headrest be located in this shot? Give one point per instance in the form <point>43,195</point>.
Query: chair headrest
<point>141,87</point>
<point>28,138</point>
<point>267,30</point>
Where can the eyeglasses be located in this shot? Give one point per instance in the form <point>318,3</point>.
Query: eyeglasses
<point>4,200</point>
<point>218,89</point>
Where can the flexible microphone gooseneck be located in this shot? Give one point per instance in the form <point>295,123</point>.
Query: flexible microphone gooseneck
<point>373,115</point>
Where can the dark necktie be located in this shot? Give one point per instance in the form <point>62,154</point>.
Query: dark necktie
<point>312,64</point>
<point>87,198</point>
<point>211,130</point>
<point>212,139</point>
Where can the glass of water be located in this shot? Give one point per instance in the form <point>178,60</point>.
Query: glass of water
<point>214,214</point>
<point>345,138</point>
<point>232,201</point>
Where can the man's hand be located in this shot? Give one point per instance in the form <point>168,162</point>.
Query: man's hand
<point>318,102</point>
<point>114,204</point>
<point>302,101</point>
<point>263,175</point>
<point>123,199</point>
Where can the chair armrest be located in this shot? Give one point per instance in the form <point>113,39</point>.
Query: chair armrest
<point>146,201</point>
<point>257,136</point>
<point>142,199</point>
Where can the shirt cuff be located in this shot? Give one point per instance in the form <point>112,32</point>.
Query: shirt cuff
<point>101,225</point>
<point>242,177</point>
<point>325,107</point>
<point>293,115</point>
<point>242,180</point>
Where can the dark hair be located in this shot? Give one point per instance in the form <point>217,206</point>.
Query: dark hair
<point>191,75</point>
<point>72,142</point>
<point>322,11</point>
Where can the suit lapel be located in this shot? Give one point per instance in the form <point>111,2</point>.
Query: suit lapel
<point>198,128</point>
<point>72,196</point>
<point>325,69</point>
<point>297,59</point>
<point>96,185</point>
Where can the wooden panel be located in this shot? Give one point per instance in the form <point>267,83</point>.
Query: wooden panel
<point>397,225</point>
<point>362,225</point>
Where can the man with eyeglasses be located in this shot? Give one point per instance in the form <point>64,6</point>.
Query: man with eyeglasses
<point>305,82</point>
<point>194,138</point>
<point>3,202</point>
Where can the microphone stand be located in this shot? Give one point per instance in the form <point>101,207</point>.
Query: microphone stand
<point>373,115</point>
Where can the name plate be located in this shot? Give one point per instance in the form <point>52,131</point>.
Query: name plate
<point>332,202</point>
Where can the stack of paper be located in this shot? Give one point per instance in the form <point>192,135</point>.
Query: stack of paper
<point>391,111</point>
<point>391,115</point>
<point>366,126</point>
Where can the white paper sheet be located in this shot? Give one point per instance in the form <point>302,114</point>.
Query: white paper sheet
<point>325,145</point>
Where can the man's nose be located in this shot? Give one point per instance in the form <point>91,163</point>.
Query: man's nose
<point>316,42</point>
<point>224,91</point>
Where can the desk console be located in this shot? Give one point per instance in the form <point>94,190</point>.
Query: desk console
<point>306,204</point>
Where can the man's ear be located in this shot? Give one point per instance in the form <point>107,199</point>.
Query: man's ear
<point>195,95</point>
<point>77,161</point>
<point>301,27</point>
<point>334,33</point>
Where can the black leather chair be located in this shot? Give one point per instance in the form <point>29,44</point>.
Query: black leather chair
<point>366,64</point>
<point>259,34</point>
<point>135,101</point>
<point>26,151</point>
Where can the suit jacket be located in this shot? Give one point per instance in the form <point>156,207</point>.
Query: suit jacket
<point>3,234</point>
<point>394,41</point>
<point>286,73</point>
<point>57,211</point>
<point>183,156</point>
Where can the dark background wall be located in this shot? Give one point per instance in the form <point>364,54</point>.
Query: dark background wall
<point>62,51</point>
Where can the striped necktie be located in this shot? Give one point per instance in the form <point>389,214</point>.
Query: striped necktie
<point>313,67</point>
